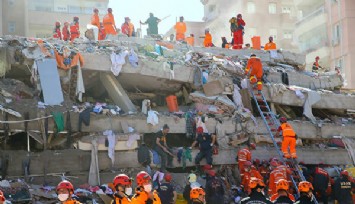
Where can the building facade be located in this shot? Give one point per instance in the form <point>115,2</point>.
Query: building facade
<point>325,28</point>
<point>36,18</point>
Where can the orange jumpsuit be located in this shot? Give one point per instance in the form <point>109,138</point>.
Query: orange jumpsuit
<point>131,29</point>
<point>289,140</point>
<point>275,176</point>
<point>125,29</point>
<point>66,33</point>
<point>270,46</point>
<point>102,33</point>
<point>142,197</point>
<point>95,20</point>
<point>208,40</point>
<point>74,31</point>
<point>247,176</point>
<point>123,200</point>
<point>243,156</point>
<point>74,61</point>
<point>71,202</point>
<point>256,72</point>
<point>190,41</point>
<point>180,28</point>
<point>109,24</point>
<point>275,196</point>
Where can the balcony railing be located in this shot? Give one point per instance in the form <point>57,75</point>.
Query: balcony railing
<point>315,13</point>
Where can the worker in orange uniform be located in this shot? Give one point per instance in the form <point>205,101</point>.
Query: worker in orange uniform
<point>144,191</point>
<point>65,191</point>
<point>127,27</point>
<point>74,29</point>
<point>282,195</point>
<point>254,69</point>
<point>102,32</point>
<point>109,23</point>
<point>275,176</point>
<point>132,32</point>
<point>95,21</point>
<point>191,40</point>
<point>66,32</point>
<point>237,28</point>
<point>289,139</point>
<point>180,28</point>
<point>2,197</point>
<point>305,189</point>
<point>57,33</point>
<point>250,171</point>
<point>270,45</point>
<point>243,156</point>
<point>122,189</point>
<point>197,196</point>
<point>257,193</point>
<point>208,39</point>
<point>316,67</point>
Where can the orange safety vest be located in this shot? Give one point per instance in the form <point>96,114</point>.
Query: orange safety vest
<point>287,130</point>
<point>274,197</point>
<point>190,41</point>
<point>244,155</point>
<point>109,24</point>
<point>123,200</point>
<point>270,46</point>
<point>131,29</point>
<point>71,202</point>
<point>142,197</point>
<point>256,67</point>
<point>180,28</point>
<point>208,40</point>
<point>95,20</point>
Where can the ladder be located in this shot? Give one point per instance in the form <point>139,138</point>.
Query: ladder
<point>272,125</point>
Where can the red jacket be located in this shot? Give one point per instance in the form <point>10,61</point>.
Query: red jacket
<point>57,33</point>
<point>74,31</point>
<point>66,33</point>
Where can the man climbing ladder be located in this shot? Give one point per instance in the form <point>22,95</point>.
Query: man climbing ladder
<point>288,140</point>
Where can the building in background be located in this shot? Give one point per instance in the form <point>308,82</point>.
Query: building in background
<point>326,29</point>
<point>36,18</point>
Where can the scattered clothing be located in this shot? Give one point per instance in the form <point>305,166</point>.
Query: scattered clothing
<point>84,117</point>
<point>118,60</point>
<point>111,137</point>
<point>133,58</point>
<point>59,120</point>
<point>313,97</point>
<point>131,139</point>
<point>153,118</point>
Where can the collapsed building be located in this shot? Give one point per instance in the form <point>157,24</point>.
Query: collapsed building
<point>60,122</point>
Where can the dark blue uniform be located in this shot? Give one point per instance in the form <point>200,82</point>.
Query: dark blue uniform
<point>204,141</point>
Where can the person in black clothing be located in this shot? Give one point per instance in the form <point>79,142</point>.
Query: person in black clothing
<point>320,182</point>
<point>161,147</point>
<point>342,188</point>
<point>256,196</point>
<point>305,189</point>
<point>166,191</point>
<point>214,189</point>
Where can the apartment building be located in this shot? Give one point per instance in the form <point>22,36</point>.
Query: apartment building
<point>325,28</point>
<point>36,18</point>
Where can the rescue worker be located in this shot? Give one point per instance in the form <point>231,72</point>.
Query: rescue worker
<point>65,191</point>
<point>270,45</point>
<point>66,32</point>
<point>57,33</point>
<point>152,22</point>
<point>288,139</point>
<point>162,148</point>
<point>275,176</point>
<point>264,170</point>
<point>95,21</point>
<point>191,40</point>
<point>214,189</point>
<point>102,32</point>
<point>305,189</point>
<point>249,172</point>
<point>125,29</point>
<point>166,190</point>
<point>191,183</point>
<point>144,191</point>
<point>238,31</point>
<point>256,196</point>
<point>282,195</point>
<point>225,44</point>
<point>316,66</point>
<point>236,194</point>
<point>180,28</point>
<point>243,156</point>
<point>320,182</point>
<point>342,188</point>
<point>206,142</point>
<point>109,24</point>
<point>254,70</point>
<point>197,196</point>
<point>122,189</point>
<point>132,32</point>
<point>207,42</point>
<point>2,197</point>
<point>74,29</point>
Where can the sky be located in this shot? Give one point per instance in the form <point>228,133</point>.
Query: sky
<point>192,10</point>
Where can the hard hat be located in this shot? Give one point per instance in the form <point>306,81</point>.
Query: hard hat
<point>344,173</point>
<point>253,55</point>
<point>76,18</point>
<point>247,163</point>
<point>196,192</point>
<point>305,186</point>
<point>192,178</point>
<point>57,23</point>
<point>96,10</point>
<point>283,119</point>
<point>66,185</point>
<point>255,182</point>
<point>234,187</point>
<point>317,57</point>
<point>252,146</point>
<point>122,179</point>
<point>168,177</point>
<point>127,18</point>
<point>143,177</point>
<point>199,130</point>
<point>282,184</point>
<point>109,10</point>
<point>207,30</point>
<point>211,173</point>
<point>207,167</point>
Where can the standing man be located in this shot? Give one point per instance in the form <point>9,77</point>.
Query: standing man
<point>320,182</point>
<point>125,26</point>
<point>152,22</point>
<point>65,191</point>
<point>316,66</point>
<point>254,70</point>
<point>180,28</point>
<point>214,189</point>
<point>342,188</point>
<point>270,45</point>
<point>123,189</point>
<point>207,38</point>
<point>66,32</point>
<point>167,191</point>
<point>243,156</point>
<point>238,30</point>
<point>56,32</point>
<point>144,191</point>
<point>74,29</point>
<point>95,21</point>
<point>289,139</point>
<point>162,148</point>
<point>109,24</point>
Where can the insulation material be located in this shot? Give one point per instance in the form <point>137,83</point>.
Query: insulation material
<point>221,102</point>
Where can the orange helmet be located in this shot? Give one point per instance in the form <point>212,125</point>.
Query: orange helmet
<point>142,177</point>
<point>66,185</point>
<point>122,179</point>
<point>282,184</point>
<point>196,192</point>
<point>252,146</point>
<point>255,182</point>
<point>305,186</point>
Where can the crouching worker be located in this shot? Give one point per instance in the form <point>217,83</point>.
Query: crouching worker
<point>282,195</point>
<point>306,196</point>
<point>288,139</point>
<point>144,191</point>
<point>197,196</point>
<point>254,70</point>
<point>65,191</point>
<point>122,184</point>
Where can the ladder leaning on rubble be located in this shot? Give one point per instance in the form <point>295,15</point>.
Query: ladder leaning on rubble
<point>272,125</point>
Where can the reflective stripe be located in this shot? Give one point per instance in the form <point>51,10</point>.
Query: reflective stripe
<point>259,82</point>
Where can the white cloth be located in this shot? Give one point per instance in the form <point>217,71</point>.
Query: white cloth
<point>80,88</point>
<point>158,175</point>
<point>199,123</point>
<point>299,94</point>
<point>131,139</point>
<point>118,60</point>
<point>95,29</point>
<point>133,58</point>
<point>111,137</point>
<point>312,98</point>
<point>237,98</point>
<point>145,105</point>
<point>153,117</point>
<point>94,174</point>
